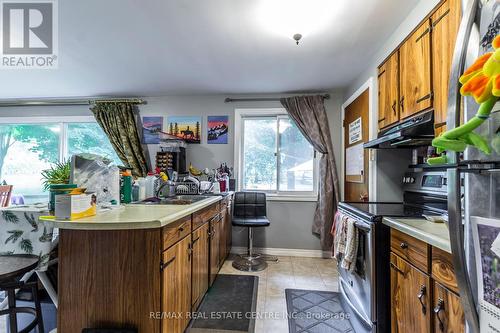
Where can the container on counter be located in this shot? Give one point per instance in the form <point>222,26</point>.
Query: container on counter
<point>150,185</point>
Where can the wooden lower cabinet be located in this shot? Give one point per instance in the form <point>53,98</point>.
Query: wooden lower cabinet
<point>176,286</point>
<point>200,264</point>
<point>410,299</point>
<point>214,241</point>
<point>448,316</point>
<point>223,236</point>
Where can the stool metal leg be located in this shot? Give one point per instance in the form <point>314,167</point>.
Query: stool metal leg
<point>250,262</point>
<point>38,308</point>
<point>11,295</point>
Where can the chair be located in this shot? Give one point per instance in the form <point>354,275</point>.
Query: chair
<point>12,269</point>
<point>249,210</point>
<point>5,192</point>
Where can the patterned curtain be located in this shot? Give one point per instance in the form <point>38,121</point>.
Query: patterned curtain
<point>309,115</point>
<point>118,122</point>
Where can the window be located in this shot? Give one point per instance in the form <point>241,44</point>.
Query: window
<point>28,147</point>
<point>273,156</point>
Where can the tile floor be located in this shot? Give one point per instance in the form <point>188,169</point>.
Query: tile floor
<point>289,272</point>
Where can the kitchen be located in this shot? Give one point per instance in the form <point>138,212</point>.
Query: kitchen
<point>406,273</point>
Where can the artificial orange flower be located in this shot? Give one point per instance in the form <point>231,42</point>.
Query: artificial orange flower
<point>482,79</point>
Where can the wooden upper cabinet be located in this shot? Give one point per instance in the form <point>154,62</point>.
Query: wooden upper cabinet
<point>388,96</point>
<point>415,72</point>
<point>410,298</point>
<point>447,311</point>
<point>445,23</point>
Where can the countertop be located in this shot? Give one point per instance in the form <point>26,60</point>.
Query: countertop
<point>135,216</point>
<point>435,234</point>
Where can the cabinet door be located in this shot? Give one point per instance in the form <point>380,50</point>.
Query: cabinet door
<point>388,83</point>
<point>415,75</point>
<point>410,299</point>
<point>214,249</point>
<point>176,286</point>
<point>229,228</point>
<point>200,264</point>
<point>445,23</point>
<point>223,235</point>
<point>447,312</point>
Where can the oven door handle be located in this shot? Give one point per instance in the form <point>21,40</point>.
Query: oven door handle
<point>361,315</point>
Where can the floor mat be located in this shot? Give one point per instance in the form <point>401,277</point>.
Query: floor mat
<point>311,311</point>
<point>228,305</point>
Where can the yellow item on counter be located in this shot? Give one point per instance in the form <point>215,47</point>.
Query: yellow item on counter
<point>163,176</point>
<point>194,171</point>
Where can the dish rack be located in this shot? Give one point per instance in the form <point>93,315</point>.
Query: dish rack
<point>186,188</point>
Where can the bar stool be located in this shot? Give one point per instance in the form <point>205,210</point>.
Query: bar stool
<point>12,268</point>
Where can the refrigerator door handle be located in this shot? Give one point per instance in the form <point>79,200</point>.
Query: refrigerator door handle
<point>456,230</point>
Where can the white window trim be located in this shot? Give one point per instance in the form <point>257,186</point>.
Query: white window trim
<point>240,114</point>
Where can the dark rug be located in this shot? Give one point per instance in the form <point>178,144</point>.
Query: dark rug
<point>311,311</point>
<point>228,306</point>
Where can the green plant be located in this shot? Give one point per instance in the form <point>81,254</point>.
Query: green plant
<point>58,173</point>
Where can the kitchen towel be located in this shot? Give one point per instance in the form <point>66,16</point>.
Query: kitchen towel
<point>351,246</point>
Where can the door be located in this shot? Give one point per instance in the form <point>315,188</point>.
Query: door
<point>415,72</point>
<point>445,22</point>
<point>388,92</point>
<point>410,299</point>
<point>200,264</point>
<point>447,311</point>
<point>176,286</point>
<point>214,248</point>
<point>356,182</point>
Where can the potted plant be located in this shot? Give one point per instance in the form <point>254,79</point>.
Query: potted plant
<point>56,181</point>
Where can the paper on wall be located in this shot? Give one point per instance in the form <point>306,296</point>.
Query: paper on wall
<point>355,133</point>
<point>354,160</point>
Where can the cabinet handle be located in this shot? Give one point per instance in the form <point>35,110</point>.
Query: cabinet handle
<point>394,107</point>
<point>421,99</point>
<point>401,103</point>
<point>180,229</point>
<point>439,307</point>
<point>190,252</point>
<point>396,268</point>
<point>420,296</point>
<point>164,265</point>
<point>403,245</point>
<point>440,18</point>
<point>195,240</point>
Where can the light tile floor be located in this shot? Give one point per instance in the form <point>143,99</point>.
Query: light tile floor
<point>291,273</point>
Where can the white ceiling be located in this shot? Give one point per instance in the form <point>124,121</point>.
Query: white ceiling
<point>164,47</point>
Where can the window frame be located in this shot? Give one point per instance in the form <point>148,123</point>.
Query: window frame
<point>272,195</point>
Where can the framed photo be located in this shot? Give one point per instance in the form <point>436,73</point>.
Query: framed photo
<point>151,127</point>
<point>187,128</point>
<point>217,131</point>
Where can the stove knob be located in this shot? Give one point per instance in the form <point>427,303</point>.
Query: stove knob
<point>412,180</point>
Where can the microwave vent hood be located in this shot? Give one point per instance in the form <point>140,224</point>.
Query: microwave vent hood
<point>416,131</point>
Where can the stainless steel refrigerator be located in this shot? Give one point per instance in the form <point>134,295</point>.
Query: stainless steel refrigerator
<point>474,180</point>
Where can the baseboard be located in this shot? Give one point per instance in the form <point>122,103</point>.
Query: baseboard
<point>273,251</point>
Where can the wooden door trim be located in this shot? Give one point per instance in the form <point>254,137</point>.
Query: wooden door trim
<point>370,84</point>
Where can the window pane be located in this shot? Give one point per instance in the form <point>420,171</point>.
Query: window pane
<point>259,148</point>
<point>90,138</point>
<point>25,150</point>
<point>296,158</point>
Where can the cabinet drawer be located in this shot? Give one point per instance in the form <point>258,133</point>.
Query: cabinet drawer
<point>176,231</point>
<point>411,249</point>
<point>205,215</point>
<point>442,269</point>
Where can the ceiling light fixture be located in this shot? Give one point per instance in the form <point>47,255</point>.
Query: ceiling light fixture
<point>287,17</point>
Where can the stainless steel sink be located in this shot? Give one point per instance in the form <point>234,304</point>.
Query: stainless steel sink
<point>175,200</point>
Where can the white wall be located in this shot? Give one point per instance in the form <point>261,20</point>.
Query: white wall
<point>291,222</point>
<point>390,164</point>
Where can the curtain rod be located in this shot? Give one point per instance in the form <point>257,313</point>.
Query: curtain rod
<point>271,99</point>
<point>67,101</point>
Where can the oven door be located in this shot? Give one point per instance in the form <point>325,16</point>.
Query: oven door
<point>357,287</point>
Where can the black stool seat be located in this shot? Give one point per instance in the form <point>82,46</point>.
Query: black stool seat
<point>12,269</point>
<point>257,221</point>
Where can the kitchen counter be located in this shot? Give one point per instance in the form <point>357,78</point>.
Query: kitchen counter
<point>435,234</point>
<point>135,216</point>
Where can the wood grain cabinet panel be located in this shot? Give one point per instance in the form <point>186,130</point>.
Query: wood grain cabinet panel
<point>176,286</point>
<point>175,231</point>
<point>200,264</point>
<point>445,22</point>
<point>442,269</point>
<point>205,215</point>
<point>214,240</point>
<point>410,298</point>
<point>415,72</point>
<point>411,249</point>
<point>223,236</point>
<point>388,83</point>
<point>448,316</point>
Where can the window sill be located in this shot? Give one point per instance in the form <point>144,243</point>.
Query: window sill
<point>292,198</point>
